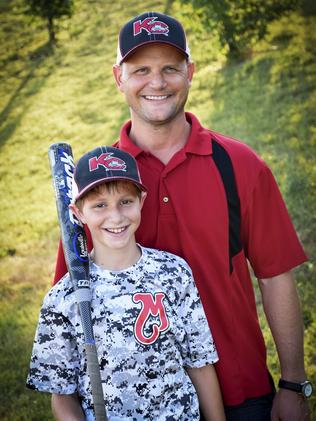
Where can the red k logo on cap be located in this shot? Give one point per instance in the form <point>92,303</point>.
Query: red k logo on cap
<point>152,26</point>
<point>108,161</point>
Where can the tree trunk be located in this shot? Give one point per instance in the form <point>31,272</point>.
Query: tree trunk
<point>233,48</point>
<point>51,30</point>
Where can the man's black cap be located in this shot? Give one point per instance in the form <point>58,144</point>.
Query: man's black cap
<point>149,28</point>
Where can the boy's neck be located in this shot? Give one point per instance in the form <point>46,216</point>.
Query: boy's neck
<point>116,259</point>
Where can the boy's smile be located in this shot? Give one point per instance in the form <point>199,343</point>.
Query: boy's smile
<point>116,230</point>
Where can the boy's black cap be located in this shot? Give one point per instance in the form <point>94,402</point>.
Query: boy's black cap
<point>104,164</point>
<point>151,27</point>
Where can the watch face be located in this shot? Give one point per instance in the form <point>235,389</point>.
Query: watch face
<point>307,390</point>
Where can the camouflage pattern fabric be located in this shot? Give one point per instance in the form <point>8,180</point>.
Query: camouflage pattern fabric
<point>148,323</point>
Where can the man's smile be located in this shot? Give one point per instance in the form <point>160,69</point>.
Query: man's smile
<point>156,97</point>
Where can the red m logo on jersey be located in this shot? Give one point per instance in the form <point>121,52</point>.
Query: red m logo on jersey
<point>151,306</point>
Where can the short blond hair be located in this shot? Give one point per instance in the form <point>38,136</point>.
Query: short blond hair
<point>110,186</point>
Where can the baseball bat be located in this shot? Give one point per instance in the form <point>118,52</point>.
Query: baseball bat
<point>76,255</point>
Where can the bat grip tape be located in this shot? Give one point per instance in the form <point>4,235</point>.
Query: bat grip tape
<point>83,294</point>
<point>96,383</point>
<point>83,297</point>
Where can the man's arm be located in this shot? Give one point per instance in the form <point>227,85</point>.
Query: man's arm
<point>207,387</point>
<point>67,408</point>
<point>282,309</point>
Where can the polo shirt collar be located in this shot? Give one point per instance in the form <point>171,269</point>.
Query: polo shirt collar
<point>126,143</point>
<point>199,142</point>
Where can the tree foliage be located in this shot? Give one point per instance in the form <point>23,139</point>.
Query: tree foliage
<point>240,23</point>
<point>50,10</point>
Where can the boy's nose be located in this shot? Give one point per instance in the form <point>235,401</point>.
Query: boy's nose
<point>114,215</point>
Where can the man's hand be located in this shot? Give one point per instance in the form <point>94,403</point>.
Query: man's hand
<point>289,406</point>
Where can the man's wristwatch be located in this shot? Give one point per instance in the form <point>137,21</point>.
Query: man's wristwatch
<point>305,388</point>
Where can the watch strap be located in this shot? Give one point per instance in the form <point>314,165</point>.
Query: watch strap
<point>296,387</point>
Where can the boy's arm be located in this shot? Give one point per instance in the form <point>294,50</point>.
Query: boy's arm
<point>67,408</point>
<point>207,387</point>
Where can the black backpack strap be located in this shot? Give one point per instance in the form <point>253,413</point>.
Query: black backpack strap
<point>225,167</point>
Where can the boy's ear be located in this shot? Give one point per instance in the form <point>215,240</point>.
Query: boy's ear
<point>76,211</point>
<point>142,198</point>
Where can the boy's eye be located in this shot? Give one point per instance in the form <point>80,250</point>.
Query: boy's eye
<point>126,201</point>
<point>100,205</point>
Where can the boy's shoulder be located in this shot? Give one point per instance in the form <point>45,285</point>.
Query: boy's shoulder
<point>62,293</point>
<point>169,272</point>
<point>165,258</point>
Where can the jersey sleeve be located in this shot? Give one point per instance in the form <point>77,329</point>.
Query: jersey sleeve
<point>199,347</point>
<point>54,362</point>
<point>269,238</point>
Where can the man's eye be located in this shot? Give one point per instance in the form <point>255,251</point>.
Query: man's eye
<point>170,69</point>
<point>141,71</point>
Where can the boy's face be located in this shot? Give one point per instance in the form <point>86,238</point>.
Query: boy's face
<point>112,216</point>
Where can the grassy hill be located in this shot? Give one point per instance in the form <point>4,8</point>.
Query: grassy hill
<point>68,93</point>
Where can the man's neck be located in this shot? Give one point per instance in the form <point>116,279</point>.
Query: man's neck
<point>162,141</point>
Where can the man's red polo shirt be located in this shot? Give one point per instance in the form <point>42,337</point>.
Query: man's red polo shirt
<point>186,213</point>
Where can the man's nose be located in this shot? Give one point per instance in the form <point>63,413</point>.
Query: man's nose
<point>158,80</point>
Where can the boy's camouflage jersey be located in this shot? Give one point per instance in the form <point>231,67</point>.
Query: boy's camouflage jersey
<point>148,323</point>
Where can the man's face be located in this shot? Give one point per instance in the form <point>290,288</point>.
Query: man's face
<point>155,81</point>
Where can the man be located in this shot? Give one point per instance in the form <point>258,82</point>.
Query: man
<point>186,213</point>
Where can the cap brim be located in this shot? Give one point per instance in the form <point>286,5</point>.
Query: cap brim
<point>107,180</point>
<point>121,59</point>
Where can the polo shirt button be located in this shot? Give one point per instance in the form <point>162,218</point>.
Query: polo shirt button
<point>166,199</point>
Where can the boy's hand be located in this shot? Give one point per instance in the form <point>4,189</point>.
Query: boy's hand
<point>67,408</point>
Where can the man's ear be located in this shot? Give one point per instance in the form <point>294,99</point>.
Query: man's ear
<point>191,70</point>
<point>77,212</point>
<point>117,72</point>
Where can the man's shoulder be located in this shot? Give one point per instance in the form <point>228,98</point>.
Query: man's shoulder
<point>232,145</point>
<point>235,147</point>
<point>247,164</point>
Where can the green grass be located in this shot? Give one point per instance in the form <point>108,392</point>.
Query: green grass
<point>268,100</point>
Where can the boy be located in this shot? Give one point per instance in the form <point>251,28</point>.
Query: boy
<point>155,350</point>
